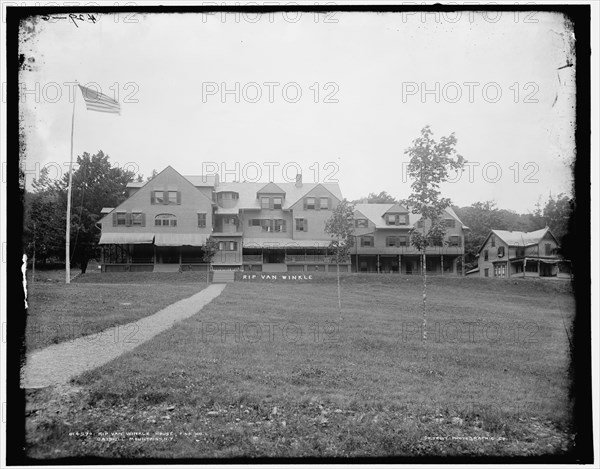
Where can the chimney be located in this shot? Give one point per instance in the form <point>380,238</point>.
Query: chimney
<point>299,180</point>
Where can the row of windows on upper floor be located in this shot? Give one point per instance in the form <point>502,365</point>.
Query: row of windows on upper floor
<point>162,219</point>
<point>267,225</point>
<point>401,241</point>
<point>520,251</point>
<point>266,203</point>
<point>400,220</point>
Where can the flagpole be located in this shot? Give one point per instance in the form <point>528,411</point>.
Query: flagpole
<point>68,235</point>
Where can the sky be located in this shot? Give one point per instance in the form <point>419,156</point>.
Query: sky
<point>337,96</point>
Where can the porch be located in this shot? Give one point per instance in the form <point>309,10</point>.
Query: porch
<point>151,258</point>
<point>291,259</point>
<point>438,264</point>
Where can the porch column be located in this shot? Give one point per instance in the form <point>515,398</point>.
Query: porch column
<point>154,249</point>
<point>399,263</point>
<point>442,263</point>
<point>180,256</point>
<point>378,263</point>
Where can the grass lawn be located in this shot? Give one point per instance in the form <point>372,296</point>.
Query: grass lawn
<point>59,312</point>
<point>269,370</point>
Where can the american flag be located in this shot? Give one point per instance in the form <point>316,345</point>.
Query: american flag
<point>95,101</point>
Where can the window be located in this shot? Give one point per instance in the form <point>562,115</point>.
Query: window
<point>121,218</point>
<point>254,222</point>
<point>501,251</point>
<point>493,241</point>
<point>158,197</point>
<point>500,270</point>
<point>228,195</point>
<point>450,223</point>
<point>279,225</point>
<point>520,252</point>
<point>165,219</point>
<point>548,249</point>
<point>485,255</point>
<point>277,201</point>
<point>172,197</point>
<point>324,203</point>
<point>265,202</point>
<point>454,240</point>
<point>396,219</point>
<point>137,219</point>
<point>202,220</point>
<point>267,225</point>
<point>361,223</point>
<point>310,203</point>
<point>367,241</point>
<point>301,224</point>
<point>227,245</point>
<point>403,240</point>
<point>391,241</point>
<point>486,272</point>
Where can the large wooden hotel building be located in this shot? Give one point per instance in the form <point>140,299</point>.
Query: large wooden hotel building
<point>265,227</point>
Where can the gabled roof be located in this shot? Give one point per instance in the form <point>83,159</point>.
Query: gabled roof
<point>450,211</point>
<point>248,192</point>
<point>271,188</point>
<point>375,213</point>
<point>142,184</point>
<point>519,238</point>
<point>397,208</point>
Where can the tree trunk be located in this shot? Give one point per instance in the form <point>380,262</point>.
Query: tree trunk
<point>424,276</point>
<point>338,289</point>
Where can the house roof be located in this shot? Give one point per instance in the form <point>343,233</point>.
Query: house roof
<point>375,213</point>
<point>211,180</point>
<point>271,188</point>
<point>518,238</point>
<point>248,190</point>
<point>197,181</point>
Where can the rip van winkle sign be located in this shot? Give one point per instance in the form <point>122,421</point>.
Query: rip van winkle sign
<point>286,277</point>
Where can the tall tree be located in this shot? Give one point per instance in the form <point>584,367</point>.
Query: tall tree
<point>340,226</point>
<point>428,167</point>
<point>96,184</point>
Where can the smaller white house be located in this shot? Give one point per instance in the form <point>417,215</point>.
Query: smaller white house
<point>521,254</point>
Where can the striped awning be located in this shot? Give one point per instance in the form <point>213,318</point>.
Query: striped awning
<point>284,243</point>
<point>180,239</point>
<point>126,238</point>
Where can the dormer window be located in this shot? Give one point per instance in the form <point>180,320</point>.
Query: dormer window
<point>361,223</point>
<point>265,203</point>
<point>277,203</point>
<point>396,219</point>
<point>228,195</point>
<point>310,203</point>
